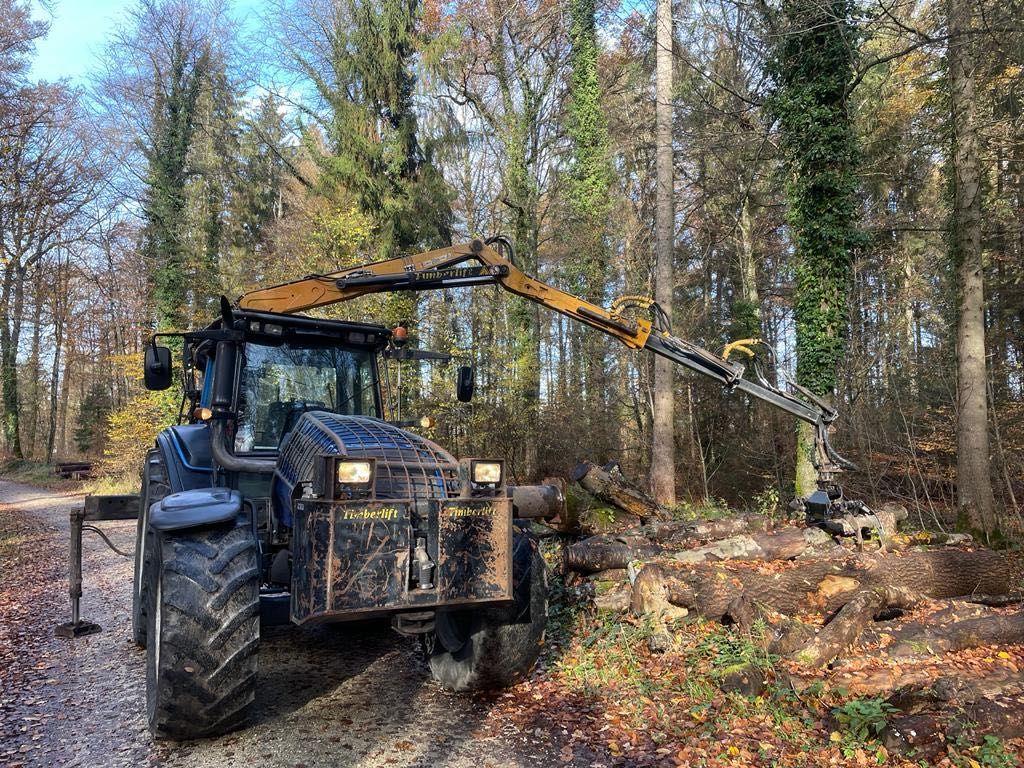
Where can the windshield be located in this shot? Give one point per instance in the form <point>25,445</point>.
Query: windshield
<point>279,384</point>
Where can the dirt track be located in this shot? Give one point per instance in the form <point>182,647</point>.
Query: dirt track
<point>329,696</point>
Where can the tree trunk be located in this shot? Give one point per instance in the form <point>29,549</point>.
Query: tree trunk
<point>35,370</point>
<point>806,476</point>
<point>59,301</point>
<point>58,348</point>
<point>10,334</point>
<point>825,585</point>
<point>608,485</point>
<point>663,448</point>
<point>974,487</point>
<point>65,393</point>
<point>747,321</point>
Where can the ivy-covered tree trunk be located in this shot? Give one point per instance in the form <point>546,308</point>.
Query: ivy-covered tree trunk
<point>813,63</point>
<point>164,208</point>
<point>974,484</point>
<point>588,197</point>
<point>12,303</point>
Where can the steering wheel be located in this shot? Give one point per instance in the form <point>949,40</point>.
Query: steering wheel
<point>292,411</point>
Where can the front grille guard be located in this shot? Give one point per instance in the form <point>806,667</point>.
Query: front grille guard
<point>408,466</point>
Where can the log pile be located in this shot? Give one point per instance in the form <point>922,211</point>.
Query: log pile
<point>820,595</point>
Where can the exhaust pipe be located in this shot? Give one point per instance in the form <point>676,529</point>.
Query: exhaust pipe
<point>227,459</point>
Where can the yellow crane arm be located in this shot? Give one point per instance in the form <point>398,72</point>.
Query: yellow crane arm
<point>440,269</point>
<point>478,263</point>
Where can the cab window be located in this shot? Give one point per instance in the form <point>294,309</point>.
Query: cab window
<point>280,383</point>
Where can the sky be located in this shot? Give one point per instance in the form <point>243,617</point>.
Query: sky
<point>78,31</point>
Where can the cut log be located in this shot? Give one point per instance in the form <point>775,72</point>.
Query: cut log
<point>609,485</point>
<point>926,734</point>
<point>884,520</point>
<point>826,585</point>
<point>613,597</point>
<point>784,544</point>
<point>884,680</point>
<point>683,531</point>
<point>932,539</point>
<point>745,679</point>
<point>847,625</point>
<point>956,690</point>
<point>994,629</point>
<point>600,552</point>
<point>995,601</point>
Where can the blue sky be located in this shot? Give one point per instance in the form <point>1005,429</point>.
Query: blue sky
<point>78,31</point>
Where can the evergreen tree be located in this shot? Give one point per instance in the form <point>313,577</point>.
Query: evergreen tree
<point>92,419</point>
<point>372,128</point>
<point>256,197</point>
<point>813,64</point>
<point>213,165</point>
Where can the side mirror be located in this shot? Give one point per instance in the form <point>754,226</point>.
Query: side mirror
<point>464,385</point>
<point>157,367</point>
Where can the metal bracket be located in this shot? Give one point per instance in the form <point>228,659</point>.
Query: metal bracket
<point>96,508</point>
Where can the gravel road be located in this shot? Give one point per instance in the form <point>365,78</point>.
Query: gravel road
<point>329,696</point>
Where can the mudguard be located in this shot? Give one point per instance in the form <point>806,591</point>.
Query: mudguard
<point>185,450</point>
<point>195,508</point>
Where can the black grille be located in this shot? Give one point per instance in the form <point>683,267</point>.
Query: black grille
<point>408,466</point>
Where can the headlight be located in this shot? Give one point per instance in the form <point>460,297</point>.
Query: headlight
<point>355,472</point>
<point>487,472</point>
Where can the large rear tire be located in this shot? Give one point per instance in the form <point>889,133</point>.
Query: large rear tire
<point>154,487</point>
<point>203,631</point>
<point>494,648</point>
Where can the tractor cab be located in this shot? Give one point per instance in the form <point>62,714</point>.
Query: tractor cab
<point>273,368</point>
<point>248,379</point>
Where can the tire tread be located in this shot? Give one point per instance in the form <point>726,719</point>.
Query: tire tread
<point>210,633</point>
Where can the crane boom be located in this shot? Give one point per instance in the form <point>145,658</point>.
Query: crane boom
<point>480,263</point>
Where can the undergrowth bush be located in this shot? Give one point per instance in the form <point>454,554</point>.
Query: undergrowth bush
<point>132,430</point>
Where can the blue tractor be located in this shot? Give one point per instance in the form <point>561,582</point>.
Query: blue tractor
<point>285,496</point>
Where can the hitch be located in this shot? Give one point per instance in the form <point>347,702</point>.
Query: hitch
<point>125,507</point>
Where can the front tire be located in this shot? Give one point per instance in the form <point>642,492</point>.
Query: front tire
<point>494,648</point>
<point>203,631</point>
<point>154,487</point>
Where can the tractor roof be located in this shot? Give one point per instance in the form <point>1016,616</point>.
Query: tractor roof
<point>271,325</point>
<point>274,328</point>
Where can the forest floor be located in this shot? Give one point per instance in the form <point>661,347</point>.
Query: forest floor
<point>604,685</point>
<point>355,695</point>
<point>360,696</point>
